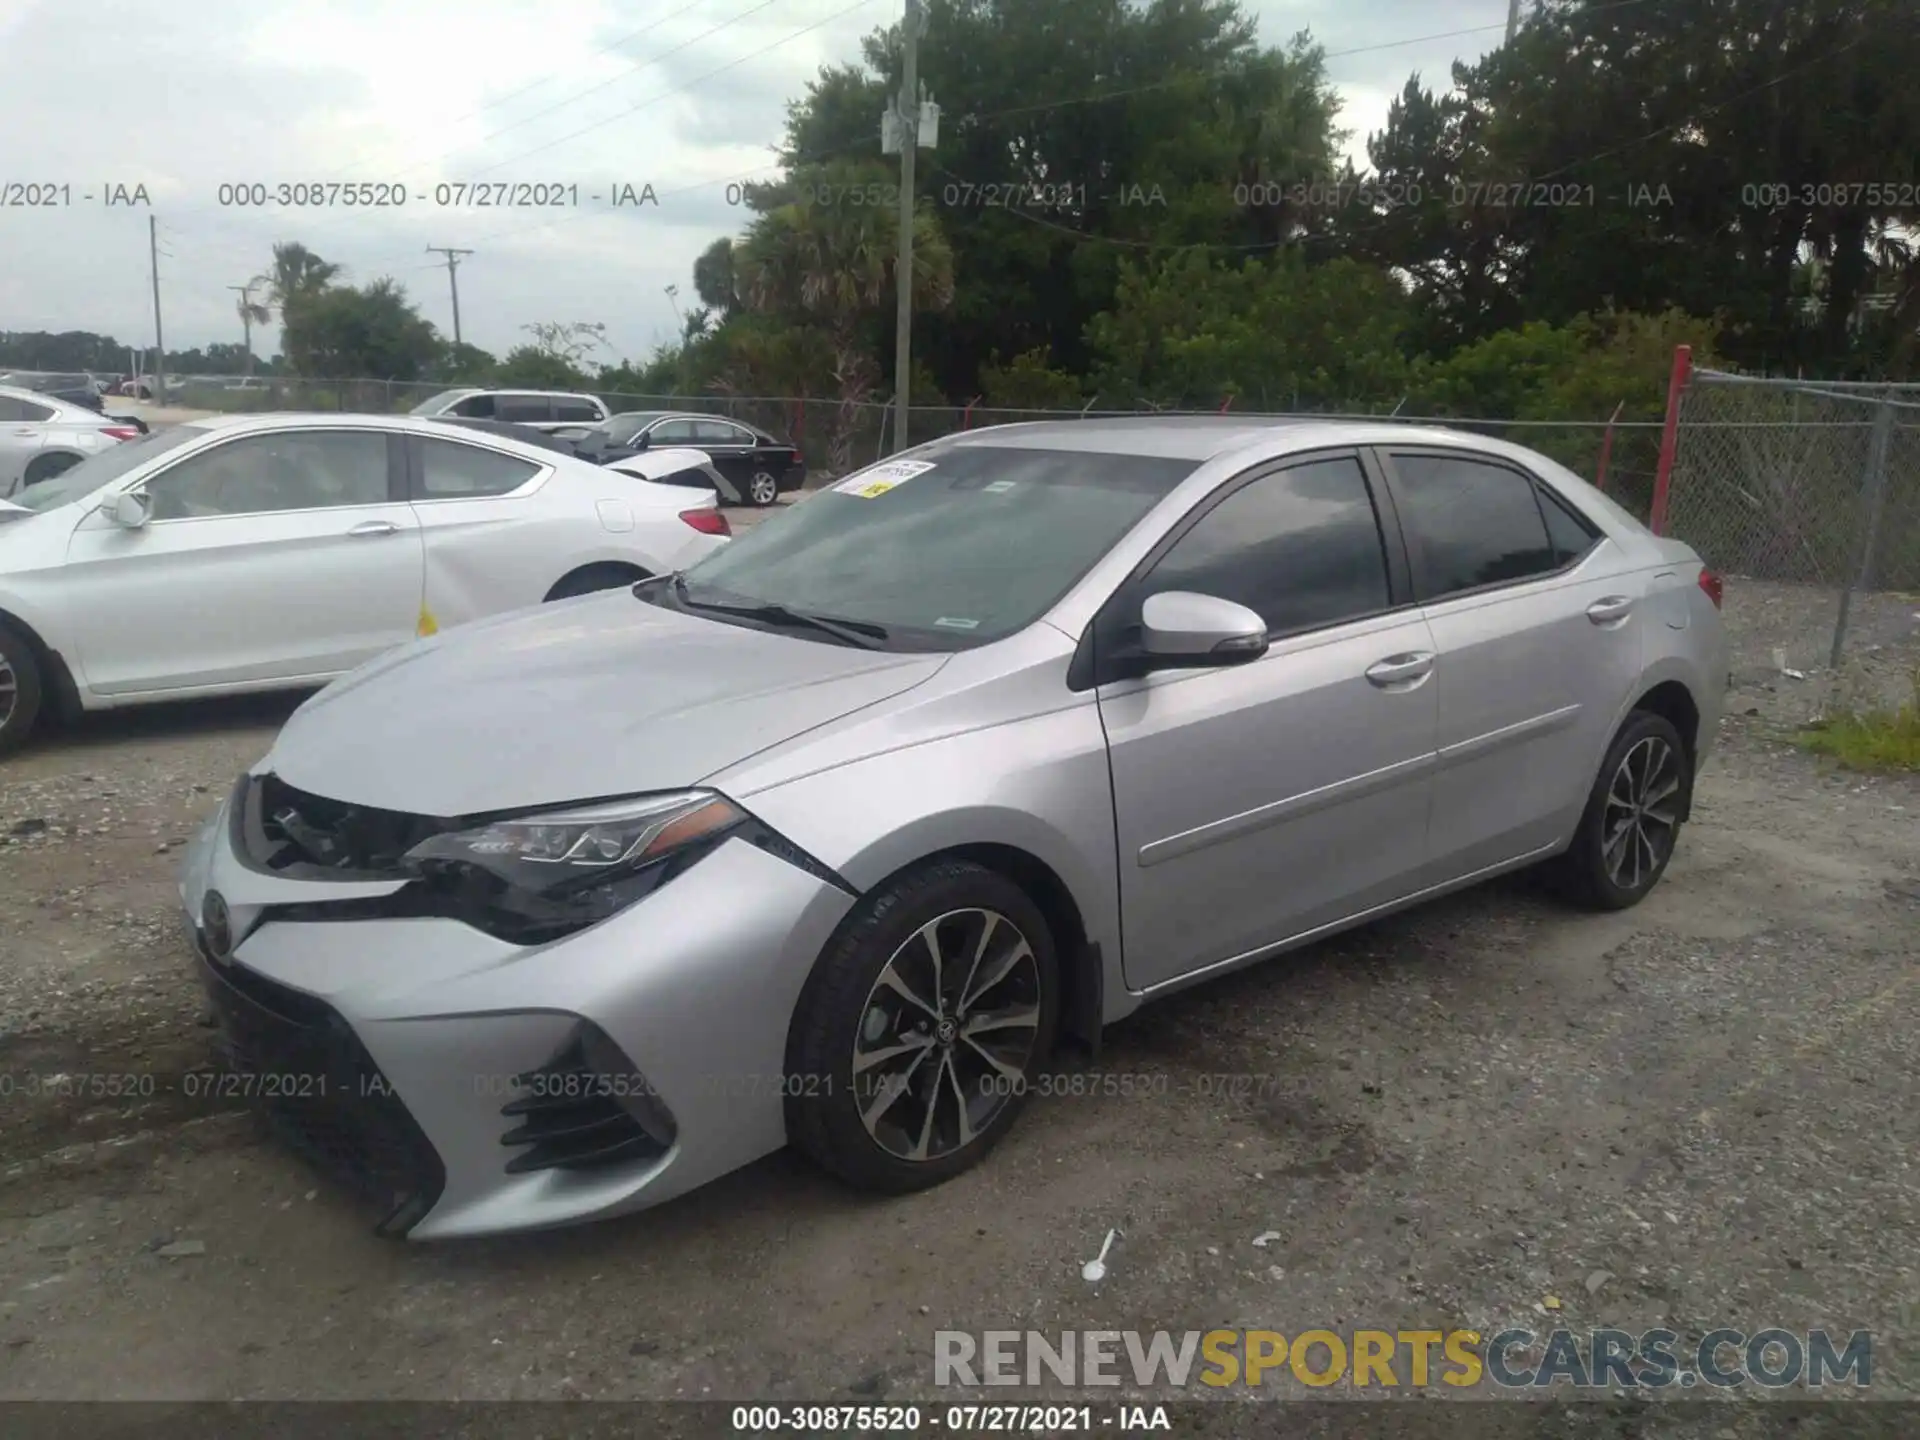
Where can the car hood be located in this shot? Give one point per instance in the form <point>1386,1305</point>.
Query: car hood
<point>582,699</point>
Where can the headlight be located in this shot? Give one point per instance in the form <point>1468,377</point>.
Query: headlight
<point>547,874</point>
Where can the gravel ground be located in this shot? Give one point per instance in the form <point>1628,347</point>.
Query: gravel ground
<point>1697,1113</point>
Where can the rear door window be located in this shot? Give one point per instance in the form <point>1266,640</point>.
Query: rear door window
<point>1470,523</point>
<point>523,409</point>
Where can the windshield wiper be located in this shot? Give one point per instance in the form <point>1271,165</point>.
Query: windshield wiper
<point>862,633</point>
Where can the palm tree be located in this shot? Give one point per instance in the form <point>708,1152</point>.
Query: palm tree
<point>831,266</point>
<point>297,272</point>
<point>252,313</point>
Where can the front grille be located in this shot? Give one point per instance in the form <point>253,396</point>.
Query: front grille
<point>586,1108</point>
<point>300,1063</point>
<point>285,830</point>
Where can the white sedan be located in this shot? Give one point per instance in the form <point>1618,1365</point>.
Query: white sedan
<point>41,436</point>
<point>279,551</point>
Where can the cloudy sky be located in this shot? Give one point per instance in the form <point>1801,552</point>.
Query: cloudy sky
<point>182,96</point>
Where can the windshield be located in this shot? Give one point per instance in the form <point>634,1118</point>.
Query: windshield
<point>958,546</point>
<point>438,403</point>
<point>102,469</point>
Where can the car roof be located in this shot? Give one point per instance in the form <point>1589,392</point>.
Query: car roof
<point>1201,438</point>
<point>656,415</point>
<point>273,420</point>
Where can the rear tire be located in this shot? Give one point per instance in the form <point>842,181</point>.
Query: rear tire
<point>763,489</point>
<point>1631,825</point>
<point>45,467</point>
<point>591,578</point>
<point>22,690</point>
<point>945,1052</point>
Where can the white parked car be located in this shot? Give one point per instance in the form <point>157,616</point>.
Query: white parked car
<point>41,436</point>
<point>548,410</point>
<point>279,551</point>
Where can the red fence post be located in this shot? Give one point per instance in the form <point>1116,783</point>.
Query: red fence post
<point>1606,447</point>
<point>1670,436</point>
<point>1225,403</point>
<point>966,418</point>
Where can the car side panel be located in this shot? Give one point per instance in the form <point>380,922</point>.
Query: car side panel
<point>1528,687</point>
<point>941,767</point>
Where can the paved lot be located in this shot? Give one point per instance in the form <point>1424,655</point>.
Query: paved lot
<point>1694,1114</point>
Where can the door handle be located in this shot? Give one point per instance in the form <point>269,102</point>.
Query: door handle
<point>1609,608</point>
<point>373,527</point>
<point>27,430</point>
<point>1405,669</point>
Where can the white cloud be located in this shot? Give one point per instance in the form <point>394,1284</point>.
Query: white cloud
<point>186,97</point>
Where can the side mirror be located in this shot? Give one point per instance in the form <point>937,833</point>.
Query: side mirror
<point>640,441</point>
<point>1182,628</point>
<point>130,509</point>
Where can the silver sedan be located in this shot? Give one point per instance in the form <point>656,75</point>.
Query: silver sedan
<point>830,839</point>
<point>41,437</point>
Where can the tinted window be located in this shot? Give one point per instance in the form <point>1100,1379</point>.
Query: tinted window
<point>673,432</point>
<point>476,407</point>
<point>449,470</point>
<point>293,470</point>
<point>1301,547</point>
<point>1470,523</point>
<point>22,411</point>
<point>622,428</point>
<point>1572,537</point>
<point>718,432</point>
<point>576,410</point>
<point>434,404</point>
<point>976,545</point>
<point>522,407</point>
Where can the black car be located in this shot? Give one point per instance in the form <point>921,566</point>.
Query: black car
<point>756,468</point>
<point>527,434</point>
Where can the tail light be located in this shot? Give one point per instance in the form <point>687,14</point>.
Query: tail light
<point>120,432</point>
<point>1713,586</point>
<point>709,520</point>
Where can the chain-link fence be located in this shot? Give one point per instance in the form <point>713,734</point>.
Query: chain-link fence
<point>1808,486</point>
<point>840,435</point>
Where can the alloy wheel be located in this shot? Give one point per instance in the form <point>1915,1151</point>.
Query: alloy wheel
<point>9,691</point>
<point>1642,813</point>
<point>946,1034</point>
<point>763,489</point>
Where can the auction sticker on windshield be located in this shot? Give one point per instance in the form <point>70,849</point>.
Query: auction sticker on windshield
<point>879,479</point>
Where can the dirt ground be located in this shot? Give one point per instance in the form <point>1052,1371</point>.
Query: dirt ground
<point>1698,1113</point>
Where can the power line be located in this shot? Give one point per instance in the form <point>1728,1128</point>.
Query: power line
<point>652,100</point>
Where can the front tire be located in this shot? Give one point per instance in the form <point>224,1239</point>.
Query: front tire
<point>921,1028</point>
<point>1631,825</point>
<point>22,690</point>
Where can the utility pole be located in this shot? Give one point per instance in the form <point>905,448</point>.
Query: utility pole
<point>159,340</point>
<point>245,292</point>
<point>907,123</point>
<point>453,279</point>
<point>1513,19</point>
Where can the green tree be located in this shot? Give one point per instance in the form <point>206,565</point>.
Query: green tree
<point>297,273</point>
<point>538,368</point>
<point>1197,107</point>
<point>827,268</point>
<point>1275,334</point>
<point>1029,381</point>
<point>373,332</point>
